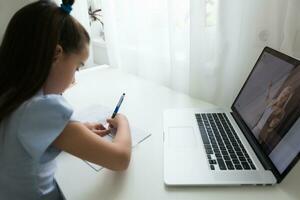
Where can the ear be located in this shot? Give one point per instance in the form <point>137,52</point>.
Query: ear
<point>58,53</point>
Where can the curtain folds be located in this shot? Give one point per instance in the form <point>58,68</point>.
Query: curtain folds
<point>204,48</point>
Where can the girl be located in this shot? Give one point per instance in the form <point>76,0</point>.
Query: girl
<point>40,52</point>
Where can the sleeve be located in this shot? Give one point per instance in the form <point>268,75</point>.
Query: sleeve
<point>43,119</point>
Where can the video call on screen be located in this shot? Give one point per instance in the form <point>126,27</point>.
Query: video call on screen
<point>269,105</point>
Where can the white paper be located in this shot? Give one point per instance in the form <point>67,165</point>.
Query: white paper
<point>98,113</point>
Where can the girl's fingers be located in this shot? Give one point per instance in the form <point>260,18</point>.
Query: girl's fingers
<point>94,125</point>
<point>97,128</point>
<point>100,126</point>
<point>101,132</point>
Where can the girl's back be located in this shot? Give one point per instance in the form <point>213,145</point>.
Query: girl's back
<point>27,158</point>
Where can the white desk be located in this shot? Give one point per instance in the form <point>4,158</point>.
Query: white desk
<point>144,104</point>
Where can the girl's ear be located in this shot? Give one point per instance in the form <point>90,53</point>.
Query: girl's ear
<point>58,53</point>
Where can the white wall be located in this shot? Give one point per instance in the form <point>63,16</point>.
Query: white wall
<point>7,9</point>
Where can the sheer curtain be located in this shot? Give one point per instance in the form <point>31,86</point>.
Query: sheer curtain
<point>204,48</point>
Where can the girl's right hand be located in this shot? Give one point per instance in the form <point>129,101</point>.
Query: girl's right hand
<point>117,121</point>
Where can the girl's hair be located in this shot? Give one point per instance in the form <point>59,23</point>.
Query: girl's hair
<point>28,49</point>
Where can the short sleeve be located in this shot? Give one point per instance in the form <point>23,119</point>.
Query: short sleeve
<point>42,120</point>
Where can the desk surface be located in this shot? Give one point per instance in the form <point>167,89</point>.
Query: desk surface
<point>144,104</point>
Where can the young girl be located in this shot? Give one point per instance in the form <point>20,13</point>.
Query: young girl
<point>42,48</point>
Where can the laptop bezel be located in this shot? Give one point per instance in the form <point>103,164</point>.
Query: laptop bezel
<point>264,158</point>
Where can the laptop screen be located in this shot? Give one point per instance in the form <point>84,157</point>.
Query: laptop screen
<point>269,104</point>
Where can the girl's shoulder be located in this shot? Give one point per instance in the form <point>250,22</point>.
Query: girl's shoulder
<point>42,119</point>
<point>42,109</point>
<point>43,105</point>
<point>45,102</point>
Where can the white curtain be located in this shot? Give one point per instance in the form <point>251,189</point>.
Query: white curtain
<point>204,48</point>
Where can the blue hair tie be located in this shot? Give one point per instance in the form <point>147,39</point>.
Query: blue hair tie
<point>67,8</point>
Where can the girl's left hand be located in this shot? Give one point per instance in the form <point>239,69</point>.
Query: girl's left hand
<point>97,128</point>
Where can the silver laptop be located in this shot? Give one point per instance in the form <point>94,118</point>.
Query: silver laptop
<point>257,141</point>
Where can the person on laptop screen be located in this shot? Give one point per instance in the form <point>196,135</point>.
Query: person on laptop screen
<point>273,124</point>
<point>273,113</point>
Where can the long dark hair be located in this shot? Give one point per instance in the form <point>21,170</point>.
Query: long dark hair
<point>28,48</point>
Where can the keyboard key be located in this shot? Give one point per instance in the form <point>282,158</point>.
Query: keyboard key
<point>252,166</point>
<point>224,153</point>
<point>229,165</point>
<point>245,165</point>
<point>222,165</point>
<point>205,139</point>
<point>226,158</point>
<point>235,144</point>
<point>235,161</point>
<point>249,161</point>
<point>242,159</point>
<point>209,151</point>
<point>244,151</point>
<point>218,155</point>
<point>228,144</point>
<point>212,167</point>
<point>213,162</point>
<point>240,154</point>
<point>217,151</point>
<point>223,149</point>
<point>230,151</point>
<point>238,167</point>
<point>236,148</point>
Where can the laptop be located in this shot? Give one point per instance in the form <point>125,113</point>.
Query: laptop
<point>256,142</point>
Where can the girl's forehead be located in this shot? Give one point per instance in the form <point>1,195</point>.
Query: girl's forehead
<point>83,54</point>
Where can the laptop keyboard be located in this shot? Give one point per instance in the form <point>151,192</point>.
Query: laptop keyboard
<point>222,145</point>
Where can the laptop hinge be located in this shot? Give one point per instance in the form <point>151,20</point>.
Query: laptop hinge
<point>252,141</point>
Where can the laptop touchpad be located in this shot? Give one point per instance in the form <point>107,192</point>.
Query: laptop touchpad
<point>181,137</point>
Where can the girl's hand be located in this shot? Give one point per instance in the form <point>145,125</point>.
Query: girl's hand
<point>117,121</point>
<point>97,128</point>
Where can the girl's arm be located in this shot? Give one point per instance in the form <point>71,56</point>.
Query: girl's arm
<point>81,142</point>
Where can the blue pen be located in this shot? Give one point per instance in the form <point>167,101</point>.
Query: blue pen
<point>118,106</point>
